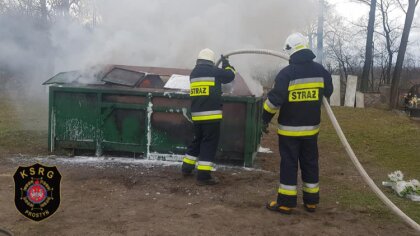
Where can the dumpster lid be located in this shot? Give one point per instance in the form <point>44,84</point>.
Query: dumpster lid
<point>133,76</point>
<point>93,75</point>
<point>124,77</point>
<point>100,75</point>
<point>64,78</point>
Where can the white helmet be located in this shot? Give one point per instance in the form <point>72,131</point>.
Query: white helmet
<point>295,42</point>
<point>206,54</point>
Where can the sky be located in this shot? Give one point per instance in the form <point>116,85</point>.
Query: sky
<point>354,11</point>
<point>349,9</point>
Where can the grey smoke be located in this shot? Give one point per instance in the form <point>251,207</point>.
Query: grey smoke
<point>150,33</point>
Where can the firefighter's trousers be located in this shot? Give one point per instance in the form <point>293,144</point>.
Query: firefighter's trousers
<point>202,150</point>
<point>295,151</point>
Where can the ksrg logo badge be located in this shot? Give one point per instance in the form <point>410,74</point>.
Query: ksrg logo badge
<point>37,191</point>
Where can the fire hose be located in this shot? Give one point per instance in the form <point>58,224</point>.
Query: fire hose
<point>343,140</point>
<point>5,232</point>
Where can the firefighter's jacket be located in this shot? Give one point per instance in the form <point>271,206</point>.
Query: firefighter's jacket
<point>206,90</point>
<point>297,93</point>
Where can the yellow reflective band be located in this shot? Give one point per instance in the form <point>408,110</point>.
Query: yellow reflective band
<point>311,190</point>
<point>205,165</point>
<point>287,192</point>
<point>285,208</point>
<point>188,161</point>
<point>202,83</point>
<point>304,95</point>
<point>206,168</point>
<point>300,47</point>
<point>306,85</point>
<point>209,117</point>
<point>298,133</point>
<point>269,109</point>
<point>200,91</point>
<point>231,69</point>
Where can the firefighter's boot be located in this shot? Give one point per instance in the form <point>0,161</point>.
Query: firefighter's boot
<point>310,207</point>
<point>274,206</point>
<point>205,178</point>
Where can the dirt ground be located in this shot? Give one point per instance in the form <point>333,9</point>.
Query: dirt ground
<point>133,197</point>
<point>142,198</point>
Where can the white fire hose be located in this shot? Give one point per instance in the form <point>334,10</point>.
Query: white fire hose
<point>343,140</point>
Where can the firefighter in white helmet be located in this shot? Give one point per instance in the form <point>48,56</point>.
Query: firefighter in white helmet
<point>297,94</point>
<point>206,110</point>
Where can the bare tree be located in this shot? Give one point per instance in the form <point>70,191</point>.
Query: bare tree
<point>69,8</point>
<point>343,45</point>
<point>311,28</point>
<point>336,52</point>
<point>369,47</point>
<point>61,7</point>
<point>310,33</point>
<point>390,33</point>
<point>396,77</point>
<point>381,60</point>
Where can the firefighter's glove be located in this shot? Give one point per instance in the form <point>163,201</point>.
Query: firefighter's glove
<point>225,62</point>
<point>264,128</point>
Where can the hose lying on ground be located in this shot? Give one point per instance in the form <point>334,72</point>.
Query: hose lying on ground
<point>4,232</point>
<point>343,140</point>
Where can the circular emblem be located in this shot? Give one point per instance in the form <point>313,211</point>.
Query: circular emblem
<point>36,193</point>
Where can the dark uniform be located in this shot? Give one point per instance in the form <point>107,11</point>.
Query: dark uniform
<point>298,93</point>
<point>206,110</point>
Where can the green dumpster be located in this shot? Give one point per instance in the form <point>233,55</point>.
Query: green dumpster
<point>127,109</point>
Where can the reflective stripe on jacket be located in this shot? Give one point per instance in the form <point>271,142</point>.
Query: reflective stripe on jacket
<point>297,94</point>
<point>207,115</point>
<point>206,90</point>
<point>298,131</point>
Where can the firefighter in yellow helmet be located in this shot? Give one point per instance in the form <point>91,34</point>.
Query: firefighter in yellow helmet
<point>206,110</point>
<point>297,94</point>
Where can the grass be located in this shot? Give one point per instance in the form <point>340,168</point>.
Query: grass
<point>23,126</point>
<point>384,141</point>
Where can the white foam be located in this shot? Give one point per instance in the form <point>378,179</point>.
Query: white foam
<point>149,126</point>
<point>101,162</point>
<point>264,150</point>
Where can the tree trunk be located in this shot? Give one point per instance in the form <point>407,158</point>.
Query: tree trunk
<point>369,42</point>
<point>396,77</point>
<point>387,30</point>
<point>345,73</point>
<point>372,76</point>
<point>389,68</point>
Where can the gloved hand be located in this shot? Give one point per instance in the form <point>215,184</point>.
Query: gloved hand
<point>225,62</point>
<point>264,128</point>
